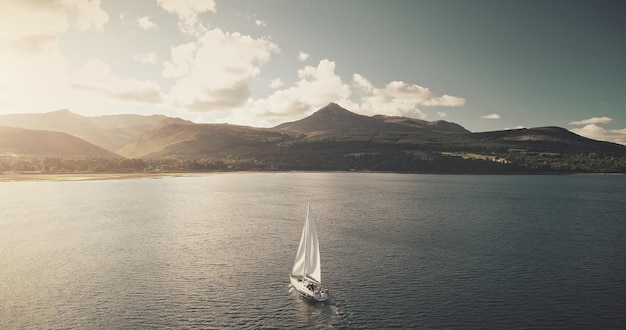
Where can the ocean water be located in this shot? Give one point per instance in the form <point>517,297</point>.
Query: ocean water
<point>398,251</point>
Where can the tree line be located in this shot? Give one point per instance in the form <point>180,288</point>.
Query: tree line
<point>396,160</point>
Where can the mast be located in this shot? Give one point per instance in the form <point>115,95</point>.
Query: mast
<point>306,246</point>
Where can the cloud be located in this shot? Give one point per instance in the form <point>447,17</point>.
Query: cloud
<point>316,87</point>
<point>187,8</point>
<point>596,132</point>
<point>594,120</point>
<point>96,76</point>
<point>182,59</point>
<point>593,131</point>
<point>142,22</point>
<point>399,98</point>
<point>319,85</point>
<point>259,22</point>
<point>442,114</point>
<point>188,11</point>
<point>222,63</point>
<point>492,116</point>
<point>146,24</point>
<point>85,14</point>
<point>29,18</point>
<point>212,98</point>
<point>302,56</point>
<point>276,83</point>
<point>147,58</point>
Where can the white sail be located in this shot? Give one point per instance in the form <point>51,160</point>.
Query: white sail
<point>307,263</point>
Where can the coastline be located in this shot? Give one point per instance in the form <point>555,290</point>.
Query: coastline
<point>59,177</point>
<point>44,177</point>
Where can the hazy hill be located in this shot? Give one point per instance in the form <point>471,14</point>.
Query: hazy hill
<point>109,132</point>
<point>334,117</point>
<point>25,142</point>
<point>555,139</point>
<point>197,141</point>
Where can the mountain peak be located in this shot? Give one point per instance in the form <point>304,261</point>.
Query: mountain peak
<point>334,117</point>
<point>330,117</point>
<point>62,114</point>
<point>334,111</point>
<point>333,107</point>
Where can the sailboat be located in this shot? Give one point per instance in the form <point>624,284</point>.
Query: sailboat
<point>306,275</point>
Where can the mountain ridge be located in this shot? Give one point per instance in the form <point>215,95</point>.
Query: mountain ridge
<point>334,138</point>
<point>21,141</point>
<point>111,132</point>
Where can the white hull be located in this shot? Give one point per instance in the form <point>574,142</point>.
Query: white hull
<point>301,287</point>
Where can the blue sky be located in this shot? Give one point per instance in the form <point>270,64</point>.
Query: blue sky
<point>486,65</point>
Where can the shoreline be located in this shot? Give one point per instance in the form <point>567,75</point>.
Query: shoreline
<point>59,177</point>
<point>44,177</point>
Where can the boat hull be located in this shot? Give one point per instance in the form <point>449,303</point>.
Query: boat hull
<point>302,289</point>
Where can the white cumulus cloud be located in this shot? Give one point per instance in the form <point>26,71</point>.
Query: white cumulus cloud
<point>596,132</point>
<point>187,12</point>
<point>183,57</point>
<point>319,85</point>
<point>222,62</point>
<point>276,83</point>
<point>144,22</point>
<point>398,98</point>
<point>492,116</point>
<point>316,87</point>
<point>187,8</point>
<point>594,120</point>
<point>302,56</point>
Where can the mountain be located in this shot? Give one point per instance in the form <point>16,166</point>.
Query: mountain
<point>36,143</point>
<point>548,138</point>
<point>109,132</point>
<point>331,117</point>
<point>332,138</point>
<point>334,117</point>
<point>331,123</point>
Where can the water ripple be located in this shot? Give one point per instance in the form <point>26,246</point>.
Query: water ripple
<point>398,251</point>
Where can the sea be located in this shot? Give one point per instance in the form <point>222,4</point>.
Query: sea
<point>407,251</point>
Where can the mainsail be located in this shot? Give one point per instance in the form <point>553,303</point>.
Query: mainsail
<point>307,263</point>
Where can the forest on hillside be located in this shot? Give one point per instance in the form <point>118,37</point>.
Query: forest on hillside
<point>393,160</point>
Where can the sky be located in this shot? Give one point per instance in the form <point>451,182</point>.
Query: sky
<point>484,64</point>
